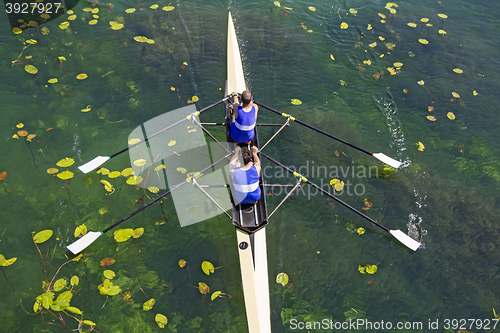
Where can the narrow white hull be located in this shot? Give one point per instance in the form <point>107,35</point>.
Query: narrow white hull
<point>255,280</point>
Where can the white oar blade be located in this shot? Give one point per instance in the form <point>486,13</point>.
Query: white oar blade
<point>94,164</point>
<point>387,160</point>
<point>82,243</point>
<point>405,239</point>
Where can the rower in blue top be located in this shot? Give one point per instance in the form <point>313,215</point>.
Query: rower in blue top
<point>244,118</point>
<point>246,177</point>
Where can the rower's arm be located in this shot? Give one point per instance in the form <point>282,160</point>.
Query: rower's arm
<point>235,105</point>
<point>256,159</point>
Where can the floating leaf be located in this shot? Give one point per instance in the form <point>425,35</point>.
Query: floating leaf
<point>312,9</point>
<point>424,19</point>
<point>86,110</point>
<point>138,232</point>
<point>134,180</point>
<point>277,4</point>
<point>20,125</point>
<point>382,15</point>
<point>398,64</point>
<point>360,231</point>
<point>161,166</point>
<point>65,175</point>
<point>171,143</point>
<point>130,10</point>
<point>421,82</point>
<point>204,288</point>
<point>161,320</point>
<point>339,186</point>
<point>430,108</point>
<point>458,70</point>
<point>106,262</point>
<point>64,25</point>
<point>153,6</point>
<point>450,115</point>
<point>82,76</point>
<point>87,9</point>
<point>88,322</point>
<point>54,80</point>
<point>372,44</point>
<point>423,41</point>
<point>420,145</point>
<point>140,162</point>
<point>42,236</point>
<point>31,69</point>
<point>109,274</point>
<point>117,26</point>
<point>475,93</point>
<point>168,8</point>
<point>444,16</point>
<point>195,98</point>
<point>93,22</point>
<point>442,32</point>
<point>181,170</point>
<point>141,39</point>
<point>3,174</point>
<point>74,310</point>
<point>150,41</point>
<point>17,30</point>
<point>282,278</point>
<point>367,62</point>
<point>344,25</point>
<point>47,299</point>
<point>153,189</point>
<point>22,133</point>
<point>95,10</point>
<point>51,171</point>
<point>215,295</point>
<point>369,27</point>
<point>65,162</point>
<point>455,95</point>
<point>207,267</point>
<point>353,11</point>
<point>182,263</point>
<point>332,57</point>
<point>60,284</point>
<point>411,24</point>
<point>122,235</point>
<point>114,174</point>
<point>334,181</point>
<point>370,269</point>
<point>74,280</point>
<point>103,210</point>
<point>127,172</point>
<point>8,262</point>
<point>148,305</point>
<point>431,118</point>
<point>295,101</point>
<point>368,204</point>
<point>381,38</point>
<point>80,230</point>
<point>71,18</point>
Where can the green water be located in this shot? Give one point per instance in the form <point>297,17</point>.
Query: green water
<point>444,196</point>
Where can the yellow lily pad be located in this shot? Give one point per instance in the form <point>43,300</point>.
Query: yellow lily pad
<point>344,25</point>
<point>450,115</point>
<point>64,25</point>
<point>130,10</point>
<point>161,320</point>
<point>31,69</point>
<point>65,162</point>
<point>148,305</point>
<point>168,8</point>
<point>295,101</point>
<point>42,236</point>
<point>65,175</point>
<point>127,172</point>
<point>207,267</point>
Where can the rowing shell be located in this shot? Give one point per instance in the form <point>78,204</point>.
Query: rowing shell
<point>250,220</point>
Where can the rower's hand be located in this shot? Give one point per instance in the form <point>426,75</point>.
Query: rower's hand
<point>255,150</point>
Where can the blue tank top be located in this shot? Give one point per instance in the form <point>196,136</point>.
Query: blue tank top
<point>246,185</point>
<point>242,129</point>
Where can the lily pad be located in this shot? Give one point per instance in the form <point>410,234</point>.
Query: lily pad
<point>65,162</point>
<point>65,175</point>
<point>122,235</point>
<point>42,236</point>
<point>215,295</point>
<point>282,278</point>
<point>204,288</point>
<point>148,305</point>
<point>161,320</point>
<point>207,267</point>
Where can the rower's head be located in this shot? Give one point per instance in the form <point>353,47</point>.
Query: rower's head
<point>246,155</point>
<point>246,97</point>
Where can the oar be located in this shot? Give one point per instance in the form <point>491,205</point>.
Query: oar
<point>99,160</point>
<point>91,236</point>
<point>398,234</point>
<point>380,156</point>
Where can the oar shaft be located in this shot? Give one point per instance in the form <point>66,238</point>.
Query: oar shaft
<point>161,196</point>
<point>327,193</point>
<point>166,128</point>
<point>315,129</point>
